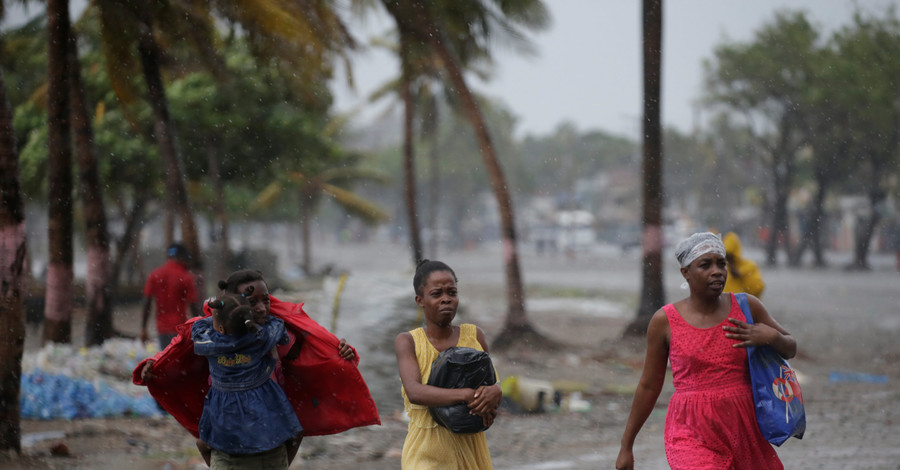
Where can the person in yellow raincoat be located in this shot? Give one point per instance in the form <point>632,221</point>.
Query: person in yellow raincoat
<point>743,274</point>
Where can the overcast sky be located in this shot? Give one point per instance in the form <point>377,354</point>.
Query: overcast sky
<point>588,67</point>
<point>587,70</point>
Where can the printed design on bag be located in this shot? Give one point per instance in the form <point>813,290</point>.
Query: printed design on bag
<point>786,388</point>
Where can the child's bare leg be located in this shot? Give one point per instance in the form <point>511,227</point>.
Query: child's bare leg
<point>205,451</point>
<point>293,445</point>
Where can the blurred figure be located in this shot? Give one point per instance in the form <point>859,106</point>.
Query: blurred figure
<point>174,289</point>
<point>892,238</point>
<point>743,274</point>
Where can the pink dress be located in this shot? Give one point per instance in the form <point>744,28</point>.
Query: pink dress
<point>711,423</point>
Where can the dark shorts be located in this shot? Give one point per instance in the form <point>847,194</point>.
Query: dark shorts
<point>275,459</point>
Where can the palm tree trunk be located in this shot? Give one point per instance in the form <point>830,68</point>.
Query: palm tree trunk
<point>782,176</point>
<point>652,295</point>
<point>59,291</point>
<point>434,193</point>
<point>165,136</point>
<point>430,134</point>
<point>212,159</point>
<point>13,250</point>
<point>867,226</point>
<point>99,324</point>
<point>305,231</point>
<point>413,18</point>
<point>779,236</point>
<point>516,323</point>
<point>409,170</point>
<point>815,222</point>
<point>128,242</point>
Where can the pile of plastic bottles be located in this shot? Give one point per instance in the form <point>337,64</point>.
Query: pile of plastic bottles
<point>63,382</point>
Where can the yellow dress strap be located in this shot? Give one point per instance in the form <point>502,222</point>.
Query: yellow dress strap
<point>468,336</point>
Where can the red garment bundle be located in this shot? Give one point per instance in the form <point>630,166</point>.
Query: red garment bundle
<point>327,392</point>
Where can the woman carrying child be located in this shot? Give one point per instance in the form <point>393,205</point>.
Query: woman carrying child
<point>247,419</point>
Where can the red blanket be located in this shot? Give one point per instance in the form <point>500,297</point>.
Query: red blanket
<point>328,393</point>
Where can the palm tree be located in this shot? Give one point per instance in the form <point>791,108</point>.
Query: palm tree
<point>419,69</point>
<point>98,293</point>
<point>59,292</point>
<point>300,37</point>
<point>123,24</point>
<point>651,286</point>
<point>457,34</point>
<point>409,157</point>
<point>12,272</point>
<point>310,189</point>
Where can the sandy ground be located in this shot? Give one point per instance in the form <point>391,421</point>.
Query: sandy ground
<point>843,321</point>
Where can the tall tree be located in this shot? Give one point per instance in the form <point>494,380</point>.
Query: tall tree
<point>13,249</point>
<point>456,32</point>
<point>652,294</point>
<point>300,38</point>
<point>766,81</point>
<point>164,131</point>
<point>123,24</point>
<point>409,155</point>
<point>98,294</point>
<point>418,70</point>
<point>829,132</point>
<point>872,46</point>
<point>60,276</point>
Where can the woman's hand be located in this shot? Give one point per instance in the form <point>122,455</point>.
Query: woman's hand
<point>625,461</point>
<point>345,350</point>
<point>486,400</point>
<point>147,371</point>
<point>757,334</point>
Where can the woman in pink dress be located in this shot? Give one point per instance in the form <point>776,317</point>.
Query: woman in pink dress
<point>710,423</point>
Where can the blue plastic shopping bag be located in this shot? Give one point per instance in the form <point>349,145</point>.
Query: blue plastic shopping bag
<point>776,391</point>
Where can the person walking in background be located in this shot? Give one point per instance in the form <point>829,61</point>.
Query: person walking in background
<point>428,445</point>
<point>174,289</point>
<point>247,420</point>
<point>743,274</point>
<point>711,418</point>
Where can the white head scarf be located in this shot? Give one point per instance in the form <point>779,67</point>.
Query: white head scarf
<point>698,245</point>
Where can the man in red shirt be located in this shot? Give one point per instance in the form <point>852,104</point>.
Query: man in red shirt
<point>174,289</point>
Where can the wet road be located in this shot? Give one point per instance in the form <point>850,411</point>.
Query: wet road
<point>843,321</point>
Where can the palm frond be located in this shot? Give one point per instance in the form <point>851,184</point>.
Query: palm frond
<point>119,32</point>
<point>356,205</point>
<point>267,196</point>
<point>354,173</point>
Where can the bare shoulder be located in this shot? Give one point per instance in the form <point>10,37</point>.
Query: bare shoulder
<point>482,338</point>
<point>659,318</point>
<point>404,341</point>
<point>658,329</point>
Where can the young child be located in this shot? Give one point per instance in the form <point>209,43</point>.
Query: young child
<point>247,419</point>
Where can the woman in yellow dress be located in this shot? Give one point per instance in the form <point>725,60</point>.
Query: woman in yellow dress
<point>429,445</point>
